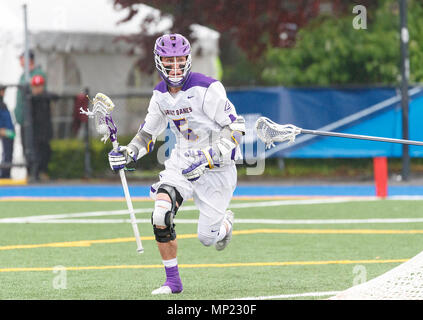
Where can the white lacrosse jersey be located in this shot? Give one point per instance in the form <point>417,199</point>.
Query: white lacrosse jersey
<point>196,114</point>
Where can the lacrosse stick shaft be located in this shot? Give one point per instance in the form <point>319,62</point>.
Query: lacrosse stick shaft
<point>101,112</point>
<point>361,137</point>
<point>140,248</point>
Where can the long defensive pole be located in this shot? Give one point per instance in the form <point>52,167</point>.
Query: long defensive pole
<point>361,137</point>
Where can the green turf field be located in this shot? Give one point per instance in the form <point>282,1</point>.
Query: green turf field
<point>52,257</point>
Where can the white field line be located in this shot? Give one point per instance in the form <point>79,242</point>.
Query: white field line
<point>330,221</point>
<point>289,296</point>
<point>405,198</point>
<point>70,217</point>
<point>237,221</point>
<point>44,218</point>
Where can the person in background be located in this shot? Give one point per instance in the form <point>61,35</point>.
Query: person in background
<point>7,135</point>
<point>42,126</point>
<point>20,97</point>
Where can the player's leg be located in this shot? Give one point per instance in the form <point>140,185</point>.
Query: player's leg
<point>168,194</point>
<point>212,196</point>
<point>168,249</point>
<point>225,235</point>
<point>214,225</point>
<point>168,200</point>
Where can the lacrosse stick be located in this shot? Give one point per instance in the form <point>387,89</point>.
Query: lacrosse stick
<point>101,112</point>
<point>270,132</point>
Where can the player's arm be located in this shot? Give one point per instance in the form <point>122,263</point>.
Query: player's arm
<point>216,154</point>
<point>229,138</point>
<point>143,141</point>
<point>140,145</point>
<point>221,110</point>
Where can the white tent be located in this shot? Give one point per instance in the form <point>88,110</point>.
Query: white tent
<point>86,31</point>
<point>75,43</point>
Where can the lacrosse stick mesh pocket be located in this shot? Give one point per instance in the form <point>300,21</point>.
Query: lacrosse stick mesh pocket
<point>102,108</point>
<point>269,131</point>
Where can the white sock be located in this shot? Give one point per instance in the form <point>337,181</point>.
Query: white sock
<point>170,263</point>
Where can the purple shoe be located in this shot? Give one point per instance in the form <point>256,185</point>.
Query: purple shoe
<point>173,282</point>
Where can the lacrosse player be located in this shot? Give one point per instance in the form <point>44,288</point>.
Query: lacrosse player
<point>201,165</point>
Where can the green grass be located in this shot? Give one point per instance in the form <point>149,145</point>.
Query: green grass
<point>208,281</point>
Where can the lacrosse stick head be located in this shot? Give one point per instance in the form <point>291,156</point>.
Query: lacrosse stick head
<point>101,112</point>
<point>270,132</point>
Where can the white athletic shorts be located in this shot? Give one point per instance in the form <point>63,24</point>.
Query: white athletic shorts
<point>212,192</point>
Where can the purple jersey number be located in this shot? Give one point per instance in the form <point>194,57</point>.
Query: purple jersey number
<point>182,125</point>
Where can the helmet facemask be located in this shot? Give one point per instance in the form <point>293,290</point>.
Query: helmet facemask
<point>173,72</point>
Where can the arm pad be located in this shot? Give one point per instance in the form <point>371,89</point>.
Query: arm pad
<point>141,144</point>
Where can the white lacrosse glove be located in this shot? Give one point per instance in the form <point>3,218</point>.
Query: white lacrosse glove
<point>119,158</point>
<point>200,160</point>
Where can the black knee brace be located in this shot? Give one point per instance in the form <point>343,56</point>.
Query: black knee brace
<point>167,234</point>
<point>164,235</point>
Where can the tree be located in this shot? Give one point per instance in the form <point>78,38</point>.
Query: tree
<point>248,27</point>
<point>330,51</point>
<point>253,25</point>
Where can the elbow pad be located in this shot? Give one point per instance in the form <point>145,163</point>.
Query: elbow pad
<point>141,144</point>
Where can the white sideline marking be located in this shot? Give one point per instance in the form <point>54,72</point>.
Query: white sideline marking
<point>288,296</point>
<point>237,221</point>
<point>32,219</point>
<point>69,217</point>
<point>406,198</point>
<point>330,221</point>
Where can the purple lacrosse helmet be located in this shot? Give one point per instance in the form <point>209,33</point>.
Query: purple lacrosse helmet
<point>173,45</point>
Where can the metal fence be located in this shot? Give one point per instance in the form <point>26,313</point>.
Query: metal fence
<point>72,136</point>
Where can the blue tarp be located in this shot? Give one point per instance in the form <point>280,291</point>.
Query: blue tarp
<point>113,191</point>
<point>363,111</point>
